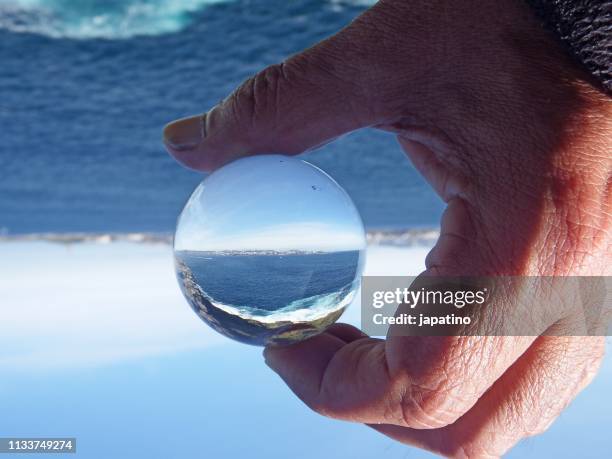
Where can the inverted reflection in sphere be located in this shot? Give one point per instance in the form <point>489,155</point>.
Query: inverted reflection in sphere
<point>269,250</point>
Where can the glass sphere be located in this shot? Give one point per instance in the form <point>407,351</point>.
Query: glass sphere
<point>269,250</point>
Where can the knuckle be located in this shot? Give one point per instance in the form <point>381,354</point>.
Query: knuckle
<point>435,381</point>
<point>257,99</point>
<point>335,69</point>
<point>429,407</point>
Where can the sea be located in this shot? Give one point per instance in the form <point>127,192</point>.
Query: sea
<point>283,280</point>
<point>87,85</point>
<point>298,293</point>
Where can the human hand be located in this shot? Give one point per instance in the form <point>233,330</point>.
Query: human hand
<point>510,133</point>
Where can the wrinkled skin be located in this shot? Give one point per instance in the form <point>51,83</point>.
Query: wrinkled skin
<point>514,137</point>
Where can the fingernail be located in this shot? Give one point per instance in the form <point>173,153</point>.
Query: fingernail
<point>184,134</point>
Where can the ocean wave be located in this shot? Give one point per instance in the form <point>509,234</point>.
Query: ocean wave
<point>302,310</point>
<point>110,19</point>
<point>95,238</point>
<point>411,237</point>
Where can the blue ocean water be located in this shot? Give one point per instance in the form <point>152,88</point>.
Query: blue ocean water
<point>269,297</point>
<point>279,279</point>
<point>87,85</point>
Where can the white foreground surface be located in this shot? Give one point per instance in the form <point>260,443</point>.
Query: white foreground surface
<point>89,304</point>
<point>97,342</point>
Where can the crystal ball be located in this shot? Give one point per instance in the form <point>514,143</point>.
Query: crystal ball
<point>269,250</point>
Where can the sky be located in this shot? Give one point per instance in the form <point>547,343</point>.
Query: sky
<point>269,203</point>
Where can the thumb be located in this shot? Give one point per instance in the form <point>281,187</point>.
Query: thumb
<point>286,108</point>
<point>311,98</point>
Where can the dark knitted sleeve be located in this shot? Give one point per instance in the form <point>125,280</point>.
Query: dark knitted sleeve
<point>585,29</point>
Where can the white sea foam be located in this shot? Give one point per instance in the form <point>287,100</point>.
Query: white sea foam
<point>98,18</point>
<point>118,19</point>
<point>411,237</point>
<point>302,310</point>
